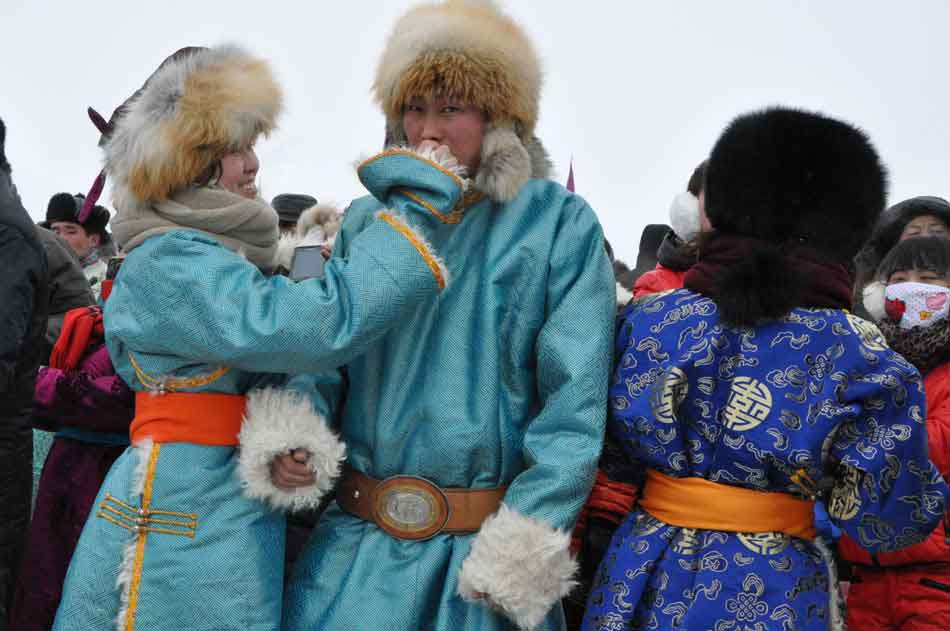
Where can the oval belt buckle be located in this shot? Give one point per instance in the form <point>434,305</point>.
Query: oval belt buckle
<point>410,507</point>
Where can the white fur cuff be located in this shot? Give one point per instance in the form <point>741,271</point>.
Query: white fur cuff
<point>324,217</point>
<point>519,566</point>
<point>276,422</point>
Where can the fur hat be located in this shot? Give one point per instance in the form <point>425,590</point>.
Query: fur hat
<point>290,205</point>
<point>4,165</point>
<point>793,181</point>
<point>892,223</point>
<point>66,207</point>
<point>470,50</point>
<point>199,105</point>
<point>786,175</point>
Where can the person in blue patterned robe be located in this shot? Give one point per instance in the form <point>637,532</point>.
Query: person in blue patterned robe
<point>750,378</point>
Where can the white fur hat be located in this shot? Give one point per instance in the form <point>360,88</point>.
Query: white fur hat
<point>200,104</point>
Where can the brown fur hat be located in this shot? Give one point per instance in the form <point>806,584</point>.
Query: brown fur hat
<point>470,50</point>
<point>199,105</point>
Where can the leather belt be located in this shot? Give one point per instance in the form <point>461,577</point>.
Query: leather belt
<point>413,508</point>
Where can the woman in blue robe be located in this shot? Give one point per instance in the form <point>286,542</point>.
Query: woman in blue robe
<point>198,331</point>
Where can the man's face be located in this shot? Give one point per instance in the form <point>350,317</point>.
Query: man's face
<point>76,236</point>
<point>447,122</point>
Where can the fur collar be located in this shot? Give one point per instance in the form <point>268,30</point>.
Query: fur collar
<point>507,163</point>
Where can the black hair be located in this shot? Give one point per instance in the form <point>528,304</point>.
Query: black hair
<point>696,180</point>
<point>922,253</point>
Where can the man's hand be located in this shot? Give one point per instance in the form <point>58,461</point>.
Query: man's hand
<point>290,471</point>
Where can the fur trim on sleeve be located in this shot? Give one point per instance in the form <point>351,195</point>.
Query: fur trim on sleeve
<point>440,271</point>
<point>276,422</point>
<point>323,216</point>
<point>519,566</point>
<point>284,256</point>
<point>444,161</point>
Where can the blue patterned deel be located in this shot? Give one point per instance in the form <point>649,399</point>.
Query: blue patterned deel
<point>817,394</point>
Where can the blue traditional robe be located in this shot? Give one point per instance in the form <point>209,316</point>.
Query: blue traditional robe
<point>185,307</point>
<point>817,393</point>
<point>499,381</point>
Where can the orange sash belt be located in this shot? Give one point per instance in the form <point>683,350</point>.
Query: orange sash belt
<point>203,418</point>
<point>698,503</point>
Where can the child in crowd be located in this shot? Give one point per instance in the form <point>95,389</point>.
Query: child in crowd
<point>909,589</point>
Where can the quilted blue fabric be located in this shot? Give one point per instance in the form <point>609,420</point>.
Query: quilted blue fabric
<point>499,381</point>
<point>817,392</point>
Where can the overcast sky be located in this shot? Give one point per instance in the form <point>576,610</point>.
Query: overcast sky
<point>636,92</point>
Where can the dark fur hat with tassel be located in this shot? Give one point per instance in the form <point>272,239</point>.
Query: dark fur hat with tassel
<point>788,178</point>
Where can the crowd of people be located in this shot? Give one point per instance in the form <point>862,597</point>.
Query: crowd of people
<point>446,407</point>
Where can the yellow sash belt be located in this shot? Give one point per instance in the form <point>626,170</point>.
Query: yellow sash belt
<point>702,504</point>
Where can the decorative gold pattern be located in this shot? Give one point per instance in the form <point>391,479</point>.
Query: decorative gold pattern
<point>417,243</point>
<point>174,384</point>
<point>667,394</point>
<point>764,543</point>
<point>140,543</point>
<point>870,335</point>
<point>453,217</point>
<point>750,402</point>
<point>138,520</point>
<point>687,542</point>
<point>845,501</point>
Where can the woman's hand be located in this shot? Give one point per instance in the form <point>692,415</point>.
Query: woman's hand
<point>290,471</point>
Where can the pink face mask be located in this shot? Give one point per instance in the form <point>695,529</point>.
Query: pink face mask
<point>916,304</point>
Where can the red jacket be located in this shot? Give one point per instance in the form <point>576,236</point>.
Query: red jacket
<point>935,548</point>
<point>657,280</point>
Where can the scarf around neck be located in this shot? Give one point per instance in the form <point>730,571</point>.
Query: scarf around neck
<point>248,226</point>
<point>813,280</point>
<point>924,347</point>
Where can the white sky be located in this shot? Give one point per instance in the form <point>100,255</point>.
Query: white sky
<point>636,91</point>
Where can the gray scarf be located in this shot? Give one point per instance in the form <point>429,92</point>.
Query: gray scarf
<point>248,226</point>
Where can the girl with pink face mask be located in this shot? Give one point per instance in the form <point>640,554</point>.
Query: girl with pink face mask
<point>909,589</point>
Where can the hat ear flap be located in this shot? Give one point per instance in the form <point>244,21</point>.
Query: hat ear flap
<point>505,164</point>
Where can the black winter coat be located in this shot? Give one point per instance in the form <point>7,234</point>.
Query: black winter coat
<point>24,304</point>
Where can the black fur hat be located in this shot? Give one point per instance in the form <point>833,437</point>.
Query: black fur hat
<point>789,178</point>
<point>4,165</point>
<point>783,174</point>
<point>892,223</point>
<point>66,207</point>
